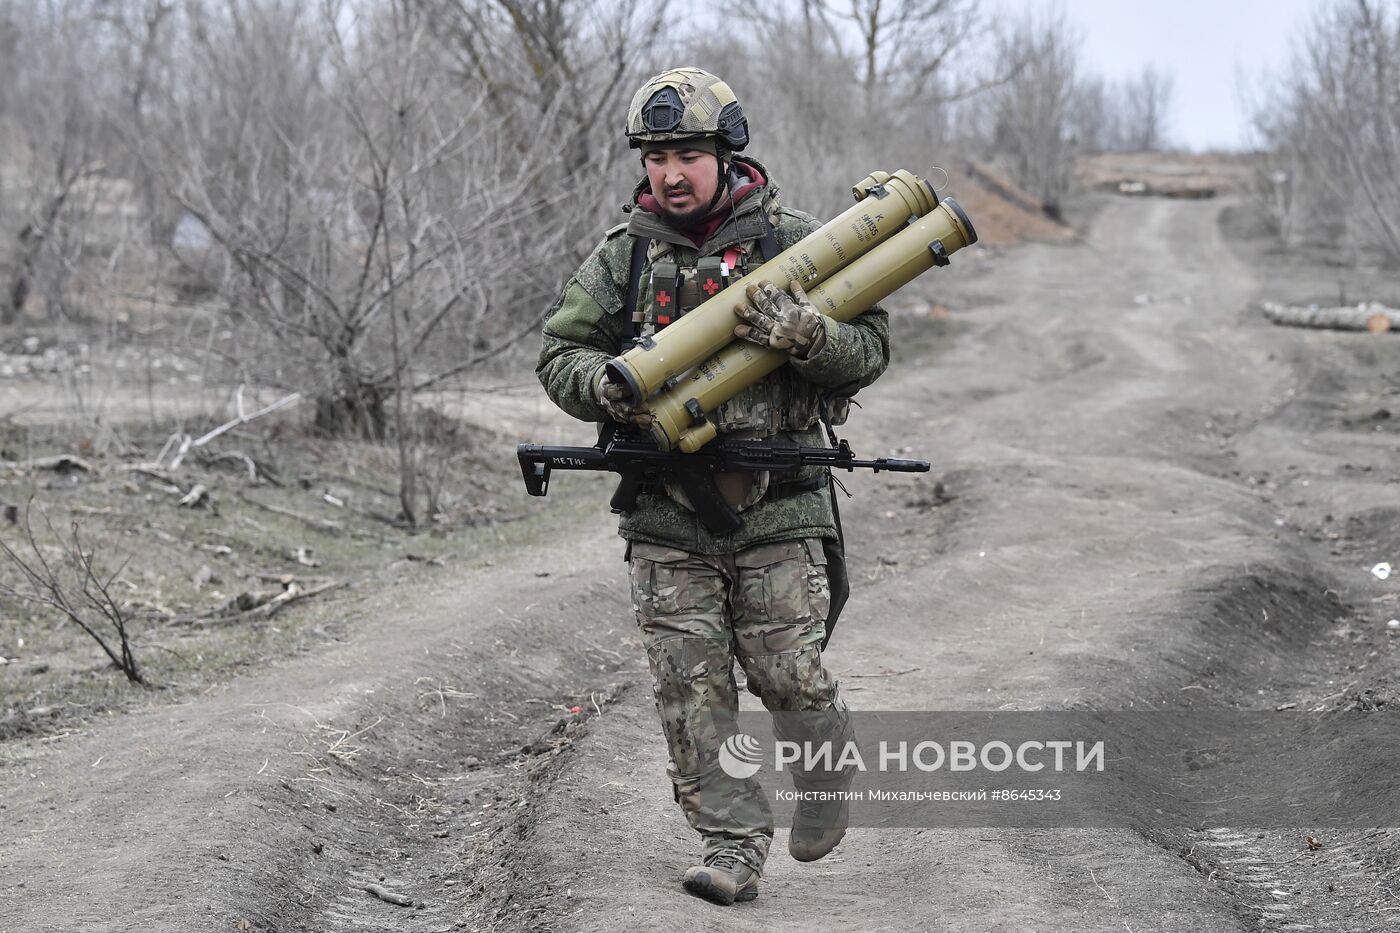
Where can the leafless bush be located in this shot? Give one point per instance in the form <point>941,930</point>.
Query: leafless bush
<point>74,587</point>
<point>370,198</point>
<point>1130,115</point>
<point>1330,129</point>
<point>1031,133</point>
<point>840,89</point>
<point>52,129</point>
<point>384,217</point>
<point>560,67</point>
<point>1144,103</point>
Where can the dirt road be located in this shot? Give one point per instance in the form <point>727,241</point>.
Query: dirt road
<point>1154,500</point>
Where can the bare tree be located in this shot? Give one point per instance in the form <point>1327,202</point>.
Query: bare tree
<point>1030,115</point>
<point>52,104</point>
<point>842,87</point>
<point>384,222</point>
<point>1331,128</point>
<point>566,67</point>
<point>906,51</point>
<point>1145,102</point>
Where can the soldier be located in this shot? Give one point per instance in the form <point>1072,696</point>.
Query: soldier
<point>759,595</point>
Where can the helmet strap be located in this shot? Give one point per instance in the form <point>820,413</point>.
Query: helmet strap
<point>721,186</point>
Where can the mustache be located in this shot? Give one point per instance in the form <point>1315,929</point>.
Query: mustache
<point>682,188</point>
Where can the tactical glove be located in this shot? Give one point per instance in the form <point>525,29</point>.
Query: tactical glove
<point>781,322</point>
<point>614,400</point>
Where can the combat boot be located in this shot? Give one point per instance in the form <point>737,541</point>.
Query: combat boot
<point>817,827</point>
<point>725,879</point>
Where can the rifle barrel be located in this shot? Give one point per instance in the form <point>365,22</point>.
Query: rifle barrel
<point>886,463</point>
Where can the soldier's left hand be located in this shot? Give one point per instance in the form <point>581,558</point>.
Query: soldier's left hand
<point>781,322</point>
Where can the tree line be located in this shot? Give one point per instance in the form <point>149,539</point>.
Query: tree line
<point>1328,128</point>
<point>376,197</point>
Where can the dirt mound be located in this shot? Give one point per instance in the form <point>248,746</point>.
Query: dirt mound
<point>1376,531</point>
<point>1002,212</point>
<point>1168,174</point>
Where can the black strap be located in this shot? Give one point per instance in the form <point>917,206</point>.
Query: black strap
<point>767,243</point>
<point>640,245</point>
<point>796,487</point>
<point>838,577</point>
<point>710,506</point>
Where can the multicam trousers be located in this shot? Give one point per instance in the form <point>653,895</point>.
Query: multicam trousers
<point>765,606</point>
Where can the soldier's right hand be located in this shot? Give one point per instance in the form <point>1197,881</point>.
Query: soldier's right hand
<point>614,399</point>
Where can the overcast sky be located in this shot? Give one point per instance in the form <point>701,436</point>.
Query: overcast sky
<point>1206,45</point>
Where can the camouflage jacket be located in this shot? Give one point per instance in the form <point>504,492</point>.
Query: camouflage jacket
<point>585,329</point>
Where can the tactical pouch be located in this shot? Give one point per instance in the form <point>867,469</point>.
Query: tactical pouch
<point>711,275</point>
<point>664,306</point>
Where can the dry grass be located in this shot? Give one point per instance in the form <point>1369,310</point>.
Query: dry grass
<point>267,568</point>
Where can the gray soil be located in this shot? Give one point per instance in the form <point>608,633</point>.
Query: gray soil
<point>1139,473</point>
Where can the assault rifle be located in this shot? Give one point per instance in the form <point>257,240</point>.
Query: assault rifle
<point>635,458</point>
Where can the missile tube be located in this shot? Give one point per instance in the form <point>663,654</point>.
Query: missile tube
<point>884,203</point>
<point>679,413</point>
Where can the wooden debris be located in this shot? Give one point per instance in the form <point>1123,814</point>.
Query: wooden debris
<point>1189,189</point>
<point>184,443</point>
<point>244,419</point>
<point>321,524</point>
<point>389,896</point>
<point>291,594</point>
<point>1369,316</point>
<point>196,498</point>
<point>264,604</point>
<point>238,456</point>
<point>62,463</point>
<point>154,474</point>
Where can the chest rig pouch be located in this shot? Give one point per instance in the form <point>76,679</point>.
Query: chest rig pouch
<point>675,290</point>
<point>780,402</point>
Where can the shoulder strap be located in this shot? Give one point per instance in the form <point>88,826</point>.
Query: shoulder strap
<point>640,245</point>
<point>767,243</point>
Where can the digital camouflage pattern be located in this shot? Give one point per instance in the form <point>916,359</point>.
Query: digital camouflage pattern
<point>766,605</point>
<point>585,329</point>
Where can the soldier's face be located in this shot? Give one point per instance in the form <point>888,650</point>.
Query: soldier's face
<point>684,182</point>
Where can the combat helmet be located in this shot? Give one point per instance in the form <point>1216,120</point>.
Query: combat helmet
<point>686,104</point>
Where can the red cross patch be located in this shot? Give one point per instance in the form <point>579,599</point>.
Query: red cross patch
<point>710,287</point>
<point>663,298</point>
<point>663,319</point>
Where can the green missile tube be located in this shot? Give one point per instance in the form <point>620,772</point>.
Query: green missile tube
<point>884,202</point>
<point>680,414</point>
